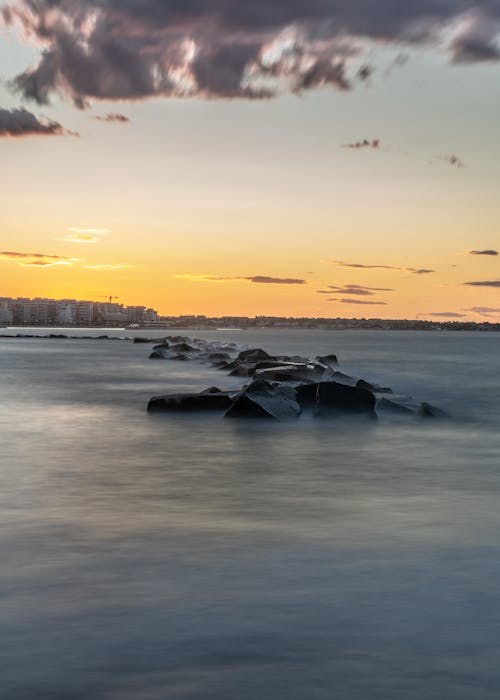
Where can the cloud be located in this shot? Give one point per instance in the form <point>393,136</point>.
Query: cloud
<point>452,160</point>
<point>90,231</point>
<point>136,49</point>
<point>373,144</point>
<point>485,311</point>
<point>486,283</point>
<point>354,289</point>
<point>261,279</point>
<point>36,259</point>
<point>112,117</point>
<point>413,270</point>
<point>359,302</point>
<point>483,252</point>
<point>445,314</point>
<point>79,238</point>
<point>18,123</point>
<point>256,279</point>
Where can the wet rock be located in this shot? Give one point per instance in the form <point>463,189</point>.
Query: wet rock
<point>262,399</point>
<point>327,360</point>
<point>253,355</point>
<point>373,387</point>
<point>332,396</point>
<point>395,407</point>
<point>211,399</point>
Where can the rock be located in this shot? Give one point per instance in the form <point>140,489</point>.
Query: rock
<point>183,347</point>
<point>328,360</point>
<point>260,399</point>
<point>253,355</point>
<point>138,339</point>
<point>161,346</point>
<point>342,397</point>
<point>427,411</point>
<point>243,370</point>
<point>211,399</point>
<point>293,373</point>
<point>391,406</point>
<point>373,387</point>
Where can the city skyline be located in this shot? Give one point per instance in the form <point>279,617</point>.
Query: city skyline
<point>301,162</point>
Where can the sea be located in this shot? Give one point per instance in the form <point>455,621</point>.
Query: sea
<point>192,557</point>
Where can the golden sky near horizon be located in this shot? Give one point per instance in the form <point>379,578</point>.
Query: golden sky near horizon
<point>367,187</point>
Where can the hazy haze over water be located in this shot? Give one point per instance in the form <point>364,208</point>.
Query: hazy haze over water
<point>192,557</point>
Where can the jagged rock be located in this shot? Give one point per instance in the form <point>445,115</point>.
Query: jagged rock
<point>342,397</point>
<point>211,399</point>
<point>183,347</point>
<point>253,355</point>
<point>293,373</point>
<point>263,400</point>
<point>243,370</point>
<point>161,346</point>
<point>139,339</point>
<point>362,384</point>
<point>391,406</point>
<point>327,360</point>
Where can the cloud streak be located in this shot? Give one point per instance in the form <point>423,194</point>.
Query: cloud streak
<point>112,118</point>
<point>354,289</point>
<point>36,259</point>
<point>374,144</point>
<point>136,49</point>
<point>483,252</point>
<point>358,302</point>
<point>255,279</point>
<point>19,123</point>
<point>359,266</point>
<point>483,283</point>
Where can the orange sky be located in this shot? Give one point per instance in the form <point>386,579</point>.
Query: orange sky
<point>347,192</point>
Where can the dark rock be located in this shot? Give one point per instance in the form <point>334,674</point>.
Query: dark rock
<point>253,355</point>
<point>361,384</point>
<point>345,398</point>
<point>183,347</point>
<point>391,406</point>
<point>138,339</point>
<point>161,346</point>
<point>328,360</point>
<point>58,336</point>
<point>427,411</point>
<point>209,400</point>
<point>263,400</point>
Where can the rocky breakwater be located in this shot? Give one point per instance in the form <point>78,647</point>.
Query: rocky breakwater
<point>278,387</point>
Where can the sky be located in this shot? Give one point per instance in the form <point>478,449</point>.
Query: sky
<point>219,157</point>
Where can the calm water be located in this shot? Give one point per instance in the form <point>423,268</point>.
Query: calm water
<point>165,557</point>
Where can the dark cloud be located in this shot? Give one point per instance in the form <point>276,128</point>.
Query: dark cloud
<point>354,289</point>
<point>261,279</point>
<point>486,311</point>
<point>452,160</point>
<point>483,252</point>
<point>255,279</point>
<point>359,302</point>
<point>485,283</point>
<point>359,266</point>
<point>445,314</point>
<point>112,117</point>
<point>35,259</point>
<point>133,49</point>
<point>373,144</point>
<point>19,122</point>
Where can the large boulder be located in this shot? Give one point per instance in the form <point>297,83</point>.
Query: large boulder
<point>328,360</point>
<point>211,399</point>
<point>375,388</point>
<point>261,399</point>
<point>253,355</point>
<point>336,397</point>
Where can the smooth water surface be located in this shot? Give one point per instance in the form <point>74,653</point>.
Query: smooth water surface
<point>182,557</point>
